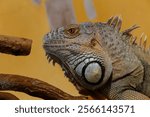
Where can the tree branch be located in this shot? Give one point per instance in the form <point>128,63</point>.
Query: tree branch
<point>7,96</point>
<point>15,45</point>
<point>34,87</point>
<point>21,46</point>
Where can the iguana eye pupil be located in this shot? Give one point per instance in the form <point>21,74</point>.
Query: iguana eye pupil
<point>72,30</point>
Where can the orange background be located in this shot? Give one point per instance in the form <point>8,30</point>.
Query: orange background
<point>24,18</point>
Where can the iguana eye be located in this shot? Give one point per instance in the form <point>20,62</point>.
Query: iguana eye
<point>72,30</point>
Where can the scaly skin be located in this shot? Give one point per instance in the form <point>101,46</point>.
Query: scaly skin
<point>98,58</point>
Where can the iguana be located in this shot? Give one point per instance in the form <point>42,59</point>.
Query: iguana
<point>99,58</point>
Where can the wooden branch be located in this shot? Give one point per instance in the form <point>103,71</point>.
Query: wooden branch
<point>34,87</point>
<point>7,96</point>
<point>15,45</point>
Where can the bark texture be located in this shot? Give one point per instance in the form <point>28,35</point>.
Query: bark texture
<point>34,87</point>
<point>7,96</point>
<point>15,45</point>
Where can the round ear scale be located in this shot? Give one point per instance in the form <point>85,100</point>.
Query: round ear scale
<point>93,72</point>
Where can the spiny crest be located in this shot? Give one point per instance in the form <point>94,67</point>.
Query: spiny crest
<point>142,42</point>
<point>132,40</point>
<point>129,30</point>
<point>116,22</point>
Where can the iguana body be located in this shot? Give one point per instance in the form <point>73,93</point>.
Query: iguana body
<point>97,57</point>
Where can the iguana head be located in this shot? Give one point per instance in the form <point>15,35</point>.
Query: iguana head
<point>79,52</point>
<point>82,51</point>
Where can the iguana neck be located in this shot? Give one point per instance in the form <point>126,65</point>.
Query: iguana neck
<point>123,59</point>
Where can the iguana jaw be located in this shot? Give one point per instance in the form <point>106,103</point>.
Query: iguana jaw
<point>79,81</point>
<point>52,57</point>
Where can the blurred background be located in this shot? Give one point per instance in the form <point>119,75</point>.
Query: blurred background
<point>34,18</point>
